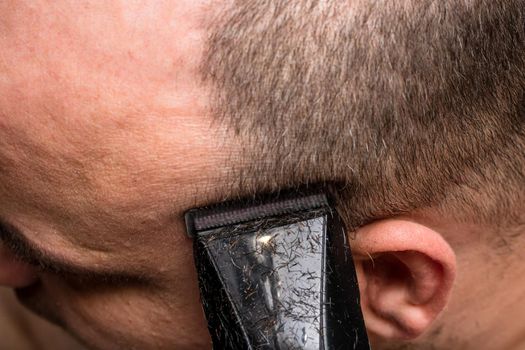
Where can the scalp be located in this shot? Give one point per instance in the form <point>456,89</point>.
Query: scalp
<point>406,104</point>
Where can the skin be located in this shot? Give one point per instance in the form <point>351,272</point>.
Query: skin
<point>104,144</point>
<point>23,330</point>
<point>106,140</point>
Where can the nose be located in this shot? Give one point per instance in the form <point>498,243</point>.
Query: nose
<point>13,272</point>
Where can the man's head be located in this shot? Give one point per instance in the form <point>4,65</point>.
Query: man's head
<point>115,118</point>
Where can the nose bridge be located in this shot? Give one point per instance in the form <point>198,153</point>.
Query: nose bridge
<point>13,272</point>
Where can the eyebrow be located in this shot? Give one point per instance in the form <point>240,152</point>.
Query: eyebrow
<point>29,253</point>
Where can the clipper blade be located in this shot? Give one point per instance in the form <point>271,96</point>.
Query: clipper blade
<point>203,219</point>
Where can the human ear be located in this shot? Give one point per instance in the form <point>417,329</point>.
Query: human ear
<point>406,272</point>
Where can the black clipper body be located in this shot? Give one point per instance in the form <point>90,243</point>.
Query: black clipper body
<point>277,274</point>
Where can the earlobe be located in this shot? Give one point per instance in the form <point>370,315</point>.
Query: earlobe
<point>406,272</point>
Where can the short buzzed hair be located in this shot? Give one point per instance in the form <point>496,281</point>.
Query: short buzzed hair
<point>404,105</point>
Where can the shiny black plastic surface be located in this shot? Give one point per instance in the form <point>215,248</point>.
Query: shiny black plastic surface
<point>281,283</point>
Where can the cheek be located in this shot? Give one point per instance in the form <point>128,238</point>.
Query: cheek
<point>124,317</point>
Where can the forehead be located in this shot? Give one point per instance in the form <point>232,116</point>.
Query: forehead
<point>102,53</point>
<point>103,119</point>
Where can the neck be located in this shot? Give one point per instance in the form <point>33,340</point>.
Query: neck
<point>506,327</point>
